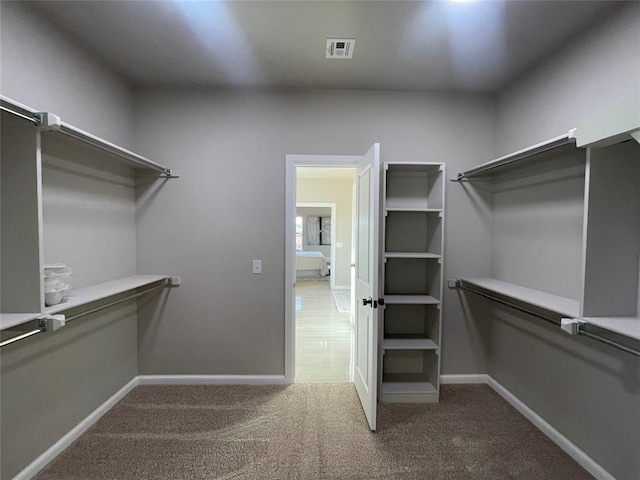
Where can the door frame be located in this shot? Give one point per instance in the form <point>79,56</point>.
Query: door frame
<point>291,162</point>
<point>332,247</point>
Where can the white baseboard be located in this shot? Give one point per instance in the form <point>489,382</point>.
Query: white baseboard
<point>212,380</point>
<point>57,448</point>
<point>589,464</point>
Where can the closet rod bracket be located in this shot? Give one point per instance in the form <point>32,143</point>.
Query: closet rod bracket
<point>572,326</point>
<point>171,173</point>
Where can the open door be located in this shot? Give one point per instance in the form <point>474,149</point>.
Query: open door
<point>366,282</point>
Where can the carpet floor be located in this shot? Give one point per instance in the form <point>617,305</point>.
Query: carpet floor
<point>309,431</point>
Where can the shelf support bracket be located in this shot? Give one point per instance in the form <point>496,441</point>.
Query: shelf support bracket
<point>572,326</point>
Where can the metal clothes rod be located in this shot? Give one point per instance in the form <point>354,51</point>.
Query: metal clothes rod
<point>581,330</point>
<point>111,304</point>
<point>556,142</point>
<point>42,327</point>
<point>111,148</point>
<point>27,116</point>
<point>600,339</point>
<point>509,304</point>
<point>43,322</point>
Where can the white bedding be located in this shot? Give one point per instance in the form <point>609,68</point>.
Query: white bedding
<point>312,261</point>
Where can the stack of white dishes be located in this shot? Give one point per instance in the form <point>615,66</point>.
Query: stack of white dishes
<point>56,283</point>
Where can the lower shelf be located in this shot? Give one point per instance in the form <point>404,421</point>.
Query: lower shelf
<point>627,326</point>
<point>407,391</point>
<point>9,320</point>
<point>554,303</point>
<point>83,296</point>
<point>408,344</point>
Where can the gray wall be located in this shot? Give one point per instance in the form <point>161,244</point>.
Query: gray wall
<point>230,149</point>
<point>589,392</point>
<point>52,382</point>
<point>45,69</point>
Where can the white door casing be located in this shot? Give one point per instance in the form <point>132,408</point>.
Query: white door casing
<point>366,282</point>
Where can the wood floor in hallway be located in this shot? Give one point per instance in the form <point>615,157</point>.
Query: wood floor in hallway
<point>324,336</point>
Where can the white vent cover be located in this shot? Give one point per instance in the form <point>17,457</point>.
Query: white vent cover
<point>340,47</point>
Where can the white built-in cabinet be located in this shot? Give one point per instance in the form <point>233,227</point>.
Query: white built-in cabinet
<point>66,197</point>
<point>413,226</point>
<point>566,233</point>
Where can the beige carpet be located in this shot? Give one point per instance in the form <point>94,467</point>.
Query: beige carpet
<point>309,431</point>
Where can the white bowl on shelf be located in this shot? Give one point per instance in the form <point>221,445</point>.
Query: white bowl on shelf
<point>55,296</point>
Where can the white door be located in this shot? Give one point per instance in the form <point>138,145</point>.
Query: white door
<point>366,282</point>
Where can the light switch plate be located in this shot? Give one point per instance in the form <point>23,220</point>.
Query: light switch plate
<point>257,266</point>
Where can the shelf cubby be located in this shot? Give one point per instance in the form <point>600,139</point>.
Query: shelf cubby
<point>417,232</point>
<point>412,321</point>
<point>413,186</point>
<point>413,276</point>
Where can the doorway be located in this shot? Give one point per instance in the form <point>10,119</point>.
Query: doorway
<point>320,333</point>
<point>324,332</point>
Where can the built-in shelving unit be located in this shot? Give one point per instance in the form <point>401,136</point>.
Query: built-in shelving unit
<point>580,258</point>
<point>66,194</point>
<point>413,205</point>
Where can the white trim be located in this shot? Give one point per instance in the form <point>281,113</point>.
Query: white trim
<point>341,287</point>
<point>212,380</point>
<point>332,252</point>
<point>588,463</point>
<point>473,379</point>
<point>57,448</point>
<point>291,162</point>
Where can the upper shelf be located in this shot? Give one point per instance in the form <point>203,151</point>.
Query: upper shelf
<point>52,123</point>
<point>525,154</point>
<point>553,303</point>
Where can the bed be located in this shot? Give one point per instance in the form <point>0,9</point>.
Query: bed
<point>311,264</point>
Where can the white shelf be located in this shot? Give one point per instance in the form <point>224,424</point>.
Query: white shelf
<point>515,157</point>
<point>55,127</point>
<point>411,255</point>
<point>407,387</point>
<point>9,320</point>
<point>409,344</point>
<point>554,303</point>
<point>408,204</point>
<point>83,296</point>
<point>412,209</point>
<point>627,326</point>
<point>411,300</point>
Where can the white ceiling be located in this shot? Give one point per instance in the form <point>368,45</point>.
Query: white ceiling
<point>400,45</point>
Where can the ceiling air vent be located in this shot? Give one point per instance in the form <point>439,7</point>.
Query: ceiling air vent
<point>340,47</point>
